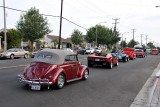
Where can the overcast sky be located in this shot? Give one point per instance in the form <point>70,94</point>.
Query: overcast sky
<point>134,14</point>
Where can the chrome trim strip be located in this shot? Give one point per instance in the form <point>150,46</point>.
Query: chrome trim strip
<point>74,79</point>
<point>33,81</point>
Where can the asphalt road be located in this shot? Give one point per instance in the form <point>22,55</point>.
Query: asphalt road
<point>115,87</point>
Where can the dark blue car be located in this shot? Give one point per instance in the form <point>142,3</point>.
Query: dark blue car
<point>122,56</point>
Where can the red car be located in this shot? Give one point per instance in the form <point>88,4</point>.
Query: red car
<point>140,53</point>
<point>154,51</point>
<point>53,67</point>
<point>130,52</point>
<point>107,60</point>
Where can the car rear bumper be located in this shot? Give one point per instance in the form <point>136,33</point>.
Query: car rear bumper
<point>34,81</point>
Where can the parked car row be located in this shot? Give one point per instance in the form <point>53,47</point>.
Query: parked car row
<point>89,51</point>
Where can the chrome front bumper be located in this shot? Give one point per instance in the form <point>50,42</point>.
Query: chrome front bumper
<point>34,81</point>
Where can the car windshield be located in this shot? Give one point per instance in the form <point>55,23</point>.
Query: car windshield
<point>139,50</point>
<point>10,50</point>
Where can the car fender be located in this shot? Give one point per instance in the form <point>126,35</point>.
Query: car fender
<point>82,69</point>
<point>56,74</point>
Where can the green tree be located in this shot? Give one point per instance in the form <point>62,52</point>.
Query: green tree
<point>76,37</point>
<point>103,35</point>
<point>151,45</point>
<point>123,44</point>
<point>55,41</point>
<point>13,38</point>
<point>132,43</point>
<point>33,26</point>
<point>115,37</point>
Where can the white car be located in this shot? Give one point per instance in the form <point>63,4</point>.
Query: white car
<point>14,53</point>
<point>89,50</point>
<point>98,50</point>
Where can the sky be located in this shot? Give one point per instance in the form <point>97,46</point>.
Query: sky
<point>141,15</point>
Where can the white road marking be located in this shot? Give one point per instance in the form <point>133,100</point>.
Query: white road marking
<point>12,66</point>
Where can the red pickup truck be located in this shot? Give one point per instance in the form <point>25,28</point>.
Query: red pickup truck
<point>140,53</point>
<point>130,52</point>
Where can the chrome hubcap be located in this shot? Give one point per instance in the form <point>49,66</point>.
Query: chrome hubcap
<point>60,80</point>
<point>86,74</point>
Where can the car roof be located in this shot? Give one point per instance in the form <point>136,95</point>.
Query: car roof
<point>52,56</point>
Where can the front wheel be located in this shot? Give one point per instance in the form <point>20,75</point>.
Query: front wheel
<point>85,74</point>
<point>12,56</point>
<point>60,81</point>
<point>26,56</point>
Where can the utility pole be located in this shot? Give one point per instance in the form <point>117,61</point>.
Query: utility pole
<point>141,39</point>
<point>146,40</point>
<point>5,36</point>
<point>60,29</point>
<point>115,25</point>
<point>133,31</point>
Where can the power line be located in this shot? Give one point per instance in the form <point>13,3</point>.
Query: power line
<point>47,16</point>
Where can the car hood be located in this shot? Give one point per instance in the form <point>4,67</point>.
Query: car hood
<point>38,70</point>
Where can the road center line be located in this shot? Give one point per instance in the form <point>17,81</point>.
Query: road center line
<point>12,66</point>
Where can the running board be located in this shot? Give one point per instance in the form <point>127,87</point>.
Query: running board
<point>74,79</point>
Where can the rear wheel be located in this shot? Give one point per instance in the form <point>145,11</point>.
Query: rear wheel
<point>110,66</point>
<point>85,75</point>
<point>60,81</point>
<point>125,59</point>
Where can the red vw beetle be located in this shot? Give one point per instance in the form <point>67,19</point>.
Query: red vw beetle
<point>53,67</point>
<point>103,59</point>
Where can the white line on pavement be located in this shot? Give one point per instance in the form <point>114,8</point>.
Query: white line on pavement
<point>12,66</point>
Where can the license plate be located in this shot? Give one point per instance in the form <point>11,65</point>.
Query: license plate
<point>35,87</point>
<point>97,59</point>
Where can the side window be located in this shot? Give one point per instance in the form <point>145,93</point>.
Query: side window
<point>70,58</point>
<point>73,58</point>
<point>67,58</point>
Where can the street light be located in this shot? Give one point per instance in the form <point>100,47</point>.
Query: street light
<point>122,38</point>
<point>96,30</point>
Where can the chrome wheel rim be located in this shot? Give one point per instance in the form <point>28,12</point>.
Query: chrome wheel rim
<point>12,56</point>
<point>86,74</point>
<point>61,81</point>
<point>111,65</point>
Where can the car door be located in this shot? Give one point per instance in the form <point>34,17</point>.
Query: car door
<point>114,58</point>
<point>71,67</point>
<point>75,66</point>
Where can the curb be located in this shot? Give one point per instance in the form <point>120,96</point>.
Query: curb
<point>149,94</point>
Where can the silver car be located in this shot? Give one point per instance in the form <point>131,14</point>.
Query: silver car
<point>14,53</point>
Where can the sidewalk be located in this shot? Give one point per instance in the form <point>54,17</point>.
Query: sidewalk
<point>149,96</point>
